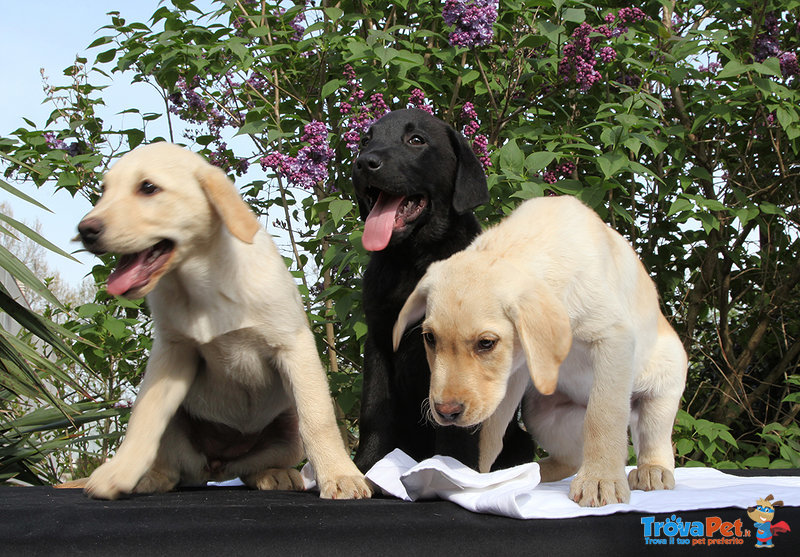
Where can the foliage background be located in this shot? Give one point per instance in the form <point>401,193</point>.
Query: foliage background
<point>678,123</point>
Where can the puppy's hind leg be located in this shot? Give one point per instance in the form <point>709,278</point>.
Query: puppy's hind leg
<point>177,462</point>
<point>652,418</point>
<point>271,464</point>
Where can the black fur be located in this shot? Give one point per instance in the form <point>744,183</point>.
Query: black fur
<point>410,153</point>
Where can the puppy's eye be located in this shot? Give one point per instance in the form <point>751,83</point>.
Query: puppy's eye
<point>429,339</point>
<point>416,140</point>
<point>146,188</point>
<point>485,344</point>
<point>364,140</point>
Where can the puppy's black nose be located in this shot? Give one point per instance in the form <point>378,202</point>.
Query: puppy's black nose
<point>449,411</point>
<point>90,230</point>
<point>369,162</point>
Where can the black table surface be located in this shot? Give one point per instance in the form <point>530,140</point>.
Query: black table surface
<point>222,521</point>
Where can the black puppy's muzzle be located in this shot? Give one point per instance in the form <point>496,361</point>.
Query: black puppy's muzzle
<point>368,162</point>
<point>91,232</point>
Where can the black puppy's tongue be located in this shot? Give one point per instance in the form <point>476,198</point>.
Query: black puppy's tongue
<point>380,222</point>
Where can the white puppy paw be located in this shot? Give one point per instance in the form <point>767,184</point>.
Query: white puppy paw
<point>285,479</point>
<point>345,487</point>
<point>110,481</point>
<point>591,490</point>
<point>649,477</point>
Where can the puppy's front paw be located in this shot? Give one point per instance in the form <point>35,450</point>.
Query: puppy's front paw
<point>110,481</point>
<point>589,490</point>
<point>649,477</point>
<point>345,487</point>
<point>285,479</point>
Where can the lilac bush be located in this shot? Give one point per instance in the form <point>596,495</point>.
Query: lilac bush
<point>688,121</point>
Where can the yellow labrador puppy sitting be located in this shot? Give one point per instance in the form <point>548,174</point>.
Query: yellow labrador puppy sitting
<point>553,308</point>
<point>234,386</point>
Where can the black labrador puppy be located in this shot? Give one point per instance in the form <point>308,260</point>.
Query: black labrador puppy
<point>417,181</point>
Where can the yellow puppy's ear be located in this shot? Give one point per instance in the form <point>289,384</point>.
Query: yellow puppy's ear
<point>542,324</point>
<point>234,212</point>
<point>413,310</point>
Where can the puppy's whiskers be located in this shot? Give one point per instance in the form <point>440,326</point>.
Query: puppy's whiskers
<point>425,412</point>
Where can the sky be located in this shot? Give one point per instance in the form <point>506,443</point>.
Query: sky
<point>49,34</point>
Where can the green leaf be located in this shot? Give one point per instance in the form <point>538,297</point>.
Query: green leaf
<point>331,86</point>
<point>771,209</point>
<point>680,204</point>
<point>19,271</point>
<point>14,191</point>
<point>333,13</point>
<point>759,461</point>
<point>786,117</point>
<point>575,15</point>
<point>539,160</point>
<point>611,163</point>
<point>35,236</point>
<point>732,69</point>
<point>107,55</point>
<point>339,208</point>
<point>511,158</point>
<point>684,446</point>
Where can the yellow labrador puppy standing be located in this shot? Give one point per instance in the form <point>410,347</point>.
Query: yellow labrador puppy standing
<point>234,386</point>
<point>553,308</point>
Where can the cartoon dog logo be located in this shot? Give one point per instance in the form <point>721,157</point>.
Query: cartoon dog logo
<point>762,515</point>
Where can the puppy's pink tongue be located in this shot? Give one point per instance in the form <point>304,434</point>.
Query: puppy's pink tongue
<point>129,273</point>
<point>380,222</point>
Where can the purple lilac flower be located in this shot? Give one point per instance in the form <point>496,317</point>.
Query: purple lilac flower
<point>561,171</point>
<point>418,100</point>
<point>789,66</point>
<point>358,117</point>
<point>53,142</point>
<point>607,54</point>
<point>480,143</point>
<point>298,24</point>
<point>473,20</point>
<point>227,162</point>
<point>310,166</point>
<point>766,44</point>
<point>579,59</point>
<point>711,68</point>
<point>480,146</point>
<point>631,15</point>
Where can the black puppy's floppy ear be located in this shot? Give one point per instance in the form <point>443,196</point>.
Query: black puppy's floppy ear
<point>470,189</point>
